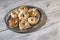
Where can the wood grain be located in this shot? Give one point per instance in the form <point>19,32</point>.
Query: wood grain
<point>50,31</point>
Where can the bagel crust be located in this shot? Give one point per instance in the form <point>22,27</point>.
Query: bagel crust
<point>24,25</point>
<point>33,12</point>
<point>13,22</point>
<point>14,13</point>
<point>23,16</point>
<point>32,20</point>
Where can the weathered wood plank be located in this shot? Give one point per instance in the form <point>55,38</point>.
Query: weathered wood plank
<point>50,31</point>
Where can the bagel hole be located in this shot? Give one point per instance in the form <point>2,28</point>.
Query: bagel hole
<point>31,19</point>
<point>23,15</point>
<point>23,23</point>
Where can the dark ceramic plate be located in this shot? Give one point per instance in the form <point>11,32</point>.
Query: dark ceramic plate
<point>41,17</point>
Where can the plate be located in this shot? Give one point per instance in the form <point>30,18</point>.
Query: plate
<point>41,17</point>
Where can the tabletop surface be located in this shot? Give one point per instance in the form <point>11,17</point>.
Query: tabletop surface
<point>51,29</point>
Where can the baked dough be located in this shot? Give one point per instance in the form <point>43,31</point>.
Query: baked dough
<point>33,12</point>
<point>13,22</point>
<point>24,25</point>
<point>32,20</point>
<point>23,9</point>
<point>14,13</point>
<point>23,16</point>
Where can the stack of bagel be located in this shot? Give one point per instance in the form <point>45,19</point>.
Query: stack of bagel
<point>23,17</point>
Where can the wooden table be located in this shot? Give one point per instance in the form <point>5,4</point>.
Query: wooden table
<point>50,31</point>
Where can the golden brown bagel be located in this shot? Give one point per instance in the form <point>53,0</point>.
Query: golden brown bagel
<point>13,22</point>
<point>14,13</point>
<point>32,20</point>
<point>23,9</point>
<point>24,25</point>
<point>33,12</point>
<point>23,16</point>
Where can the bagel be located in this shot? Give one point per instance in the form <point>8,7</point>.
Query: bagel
<point>23,9</point>
<point>23,16</point>
<point>32,20</point>
<point>33,12</point>
<point>24,25</point>
<point>13,22</point>
<point>14,13</point>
